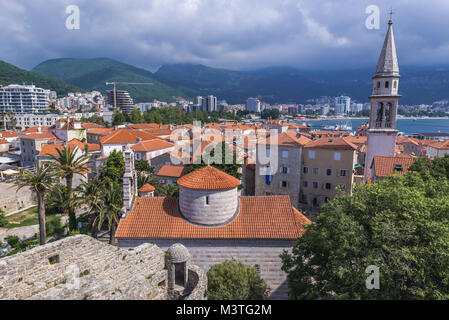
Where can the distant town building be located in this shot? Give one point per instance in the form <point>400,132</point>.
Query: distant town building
<point>122,100</point>
<point>342,105</point>
<point>253,105</point>
<point>210,104</point>
<point>356,107</point>
<point>24,99</point>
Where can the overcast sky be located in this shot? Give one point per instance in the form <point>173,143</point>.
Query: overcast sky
<point>237,34</point>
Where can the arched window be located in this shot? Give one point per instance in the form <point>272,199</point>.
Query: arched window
<point>378,84</point>
<point>395,84</point>
<point>387,84</point>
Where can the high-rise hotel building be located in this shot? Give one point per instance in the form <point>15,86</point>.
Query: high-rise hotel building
<point>24,99</point>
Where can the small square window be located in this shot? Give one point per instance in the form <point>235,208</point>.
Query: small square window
<point>305,184</point>
<point>343,173</point>
<point>337,156</point>
<point>284,184</point>
<point>315,185</point>
<point>328,186</point>
<point>305,170</point>
<point>311,154</point>
<point>316,171</point>
<point>328,172</point>
<point>284,154</point>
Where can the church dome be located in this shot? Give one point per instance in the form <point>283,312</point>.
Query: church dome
<point>208,197</point>
<point>208,178</point>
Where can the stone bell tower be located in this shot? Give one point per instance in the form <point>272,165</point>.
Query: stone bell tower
<point>382,130</point>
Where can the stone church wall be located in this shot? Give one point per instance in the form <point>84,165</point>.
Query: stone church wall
<point>206,253</point>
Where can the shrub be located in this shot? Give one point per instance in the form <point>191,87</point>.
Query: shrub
<point>3,220</point>
<point>54,226</point>
<point>13,241</point>
<point>232,280</point>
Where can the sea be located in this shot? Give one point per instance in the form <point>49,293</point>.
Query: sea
<point>419,125</point>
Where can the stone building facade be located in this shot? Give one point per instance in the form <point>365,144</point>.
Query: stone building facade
<point>82,268</point>
<point>281,177</point>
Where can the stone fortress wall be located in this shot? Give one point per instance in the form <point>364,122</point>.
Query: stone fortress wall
<point>82,268</point>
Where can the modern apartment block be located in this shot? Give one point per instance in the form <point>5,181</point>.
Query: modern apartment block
<point>342,105</point>
<point>327,170</point>
<point>24,99</point>
<point>209,104</point>
<point>122,100</point>
<point>253,104</point>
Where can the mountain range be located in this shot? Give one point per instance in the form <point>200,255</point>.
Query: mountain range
<point>418,85</point>
<point>10,74</point>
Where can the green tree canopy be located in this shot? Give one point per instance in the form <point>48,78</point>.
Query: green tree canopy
<point>400,225</point>
<point>232,280</point>
<point>114,168</point>
<point>118,118</point>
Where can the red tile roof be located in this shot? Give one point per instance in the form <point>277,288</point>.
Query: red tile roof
<point>152,145</point>
<point>385,166</point>
<point>288,139</point>
<point>443,145</point>
<point>39,136</point>
<point>35,129</point>
<point>147,188</point>
<point>88,125</point>
<point>8,134</point>
<point>208,178</point>
<point>3,141</point>
<point>331,143</point>
<point>171,171</point>
<point>143,126</point>
<point>51,149</point>
<point>267,217</point>
<point>123,136</point>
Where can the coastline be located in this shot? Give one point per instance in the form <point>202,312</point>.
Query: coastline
<point>367,118</point>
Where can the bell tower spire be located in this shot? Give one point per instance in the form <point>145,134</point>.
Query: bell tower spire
<point>384,100</point>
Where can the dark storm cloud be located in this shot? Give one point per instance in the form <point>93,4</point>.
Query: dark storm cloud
<point>223,33</point>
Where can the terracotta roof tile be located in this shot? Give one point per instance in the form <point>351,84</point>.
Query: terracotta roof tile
<point>267,217</point>
<point>88,125</point>
<point>8,134</point>
<point>332,143</point>
<point>147,188</point>
<point>39,136</point>
<point>3,141</point>
<point>123,136</point>
<point>288,139</point>
<point>385,166</point>
<point>171,171</point>
<point>152,145</point>
<point>208,178</point>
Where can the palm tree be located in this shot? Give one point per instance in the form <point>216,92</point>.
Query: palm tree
<point>67,163</point>
<point>39,181</point>
<point>91,194</point>
<point>112,208</point>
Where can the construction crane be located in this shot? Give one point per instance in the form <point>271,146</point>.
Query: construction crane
<point>120,83</point>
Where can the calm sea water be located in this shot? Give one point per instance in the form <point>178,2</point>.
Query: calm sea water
<point>404,125</point>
